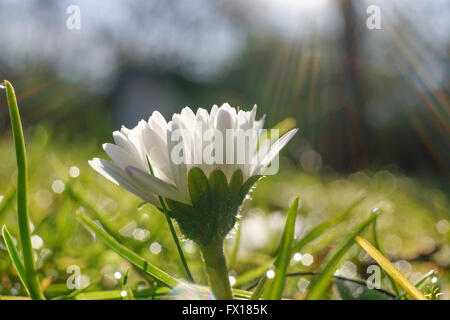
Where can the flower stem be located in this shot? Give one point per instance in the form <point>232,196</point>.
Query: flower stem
<point>216,269</point>
<point>22,197</point>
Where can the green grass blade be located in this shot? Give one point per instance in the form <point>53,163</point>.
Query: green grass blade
<point>276,286</point>
<point>241,294</point>
<point>321,283</point>
<point>116,294</point>
<point>172,231</point>
<point>390,269</point>
<point>378,246</point>
<point>299,244</point>
<point>259,289</point>
<point>72,295</point>
<point>177,242</point>
<point>253,274</point>
<point>79,198</point>
<point>347,290</point>
<point>148,293</point>
<point>22,197</point>
<point>15,256</point>
<point>417,284</point>
<point>7,200</point>
<point>129,255</point>
<point>126,288</point>
<point>324,226</point>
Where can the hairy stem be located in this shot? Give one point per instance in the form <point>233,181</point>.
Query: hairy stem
<point>216,269</point>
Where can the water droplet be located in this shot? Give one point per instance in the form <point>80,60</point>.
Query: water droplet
<point>36,242</point>
<point>297,256</point>
<point>270,274</point>
<point>189,247</point>
<point>232,280</point>
<point>117,275</point>
<point>123,293</point>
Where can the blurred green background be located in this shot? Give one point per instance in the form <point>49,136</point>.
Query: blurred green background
<point>372,107</point>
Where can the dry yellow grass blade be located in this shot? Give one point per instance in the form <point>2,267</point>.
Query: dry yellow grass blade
<point>390,269</point>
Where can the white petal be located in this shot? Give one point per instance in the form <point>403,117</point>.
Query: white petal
<point>158,124</point>
<point>212,115</point>
<point>252,116</point>
<point>122,158</point>
<point>179,171</point>
<point>120,177</point>
<point>122,141</point>
<point>156,150</point>
<point>155,185</point>
<point>188,116</point>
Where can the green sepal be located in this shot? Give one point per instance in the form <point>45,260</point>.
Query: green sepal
<point>215,204</point>
<point>236,182</point>
<point>244,191</point>
<point>199,189</point>
<point>222,219</point>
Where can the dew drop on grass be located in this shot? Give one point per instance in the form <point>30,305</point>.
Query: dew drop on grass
<point>36,242</point>
<point>117,275</point>
<point>189,247</point>
<point>123,293</point>
<point>270,274</point>
<point>297,256</point>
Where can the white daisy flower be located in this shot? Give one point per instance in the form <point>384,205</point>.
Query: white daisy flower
<point>187,164</point>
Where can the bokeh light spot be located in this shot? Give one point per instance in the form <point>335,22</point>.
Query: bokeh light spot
<point>58,186</point>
